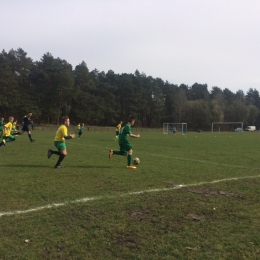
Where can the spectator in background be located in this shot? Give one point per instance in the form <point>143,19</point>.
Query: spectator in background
<point>174,130</point>
<point>32,125</point>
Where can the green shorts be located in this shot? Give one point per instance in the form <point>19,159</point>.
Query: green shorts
<point>126,147</point>
<point>11,137</point>
<point>60,145</point>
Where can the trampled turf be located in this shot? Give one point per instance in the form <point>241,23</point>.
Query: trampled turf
<point>168,208</point>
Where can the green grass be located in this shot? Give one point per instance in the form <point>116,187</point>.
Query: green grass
<point>150,225</point>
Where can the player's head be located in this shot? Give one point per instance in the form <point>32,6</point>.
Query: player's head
<point>131,120</point>
<point>65,121</point>
<point>11,119</point>
<point>82,124</point>
<point>121,122</point>
<point>30,114</point>
<point>2,119</point>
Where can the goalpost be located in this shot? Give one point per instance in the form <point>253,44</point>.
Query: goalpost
<point>168,128</point>
<point>239,124</point>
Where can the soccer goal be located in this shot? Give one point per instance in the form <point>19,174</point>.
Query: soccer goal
<point>175,128</point>
<point>217,126</point>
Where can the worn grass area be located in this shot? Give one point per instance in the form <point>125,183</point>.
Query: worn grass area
<point>207,221</point>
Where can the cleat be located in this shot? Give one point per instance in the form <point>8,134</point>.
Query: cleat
<point>110,154</point>
<point>130,167</point>
<point>33,140</point>
<point>57,166</point>
<point>49,153</point>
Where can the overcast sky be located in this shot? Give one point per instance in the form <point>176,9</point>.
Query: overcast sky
<point>216,42</point>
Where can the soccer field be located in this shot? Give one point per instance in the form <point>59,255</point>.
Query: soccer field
<point>192,197</point>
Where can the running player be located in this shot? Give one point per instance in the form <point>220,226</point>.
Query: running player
<point>125,146</point>
<point>1,126</point>
<point>80,130</point>
<point>25,128</point>
<point>7,137</point>
<point>59,141</point>
<point>118,130</point>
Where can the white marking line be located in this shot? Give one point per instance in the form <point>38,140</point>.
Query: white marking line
<point>201,161</point>
<point>191,160</point>
<point>84,200</point>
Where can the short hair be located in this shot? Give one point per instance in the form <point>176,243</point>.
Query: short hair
<point>64,119</point>
<point>131,118</point>
<point>11,117</point>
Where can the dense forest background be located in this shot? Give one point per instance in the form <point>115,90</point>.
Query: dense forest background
<point>51,88</point>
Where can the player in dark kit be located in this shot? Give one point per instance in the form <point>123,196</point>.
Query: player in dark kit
<point>25,126</point>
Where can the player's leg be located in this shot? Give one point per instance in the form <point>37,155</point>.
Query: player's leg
<point>25,128</point>
<point>130,157</point>
<point>79,134</point>
<point>10,138</point>
<point>2,143</point>
<point>30,136</point>
<point>62,152</point>
<point>120,152</point>
<point>15,132</point>
<point>58,145</point>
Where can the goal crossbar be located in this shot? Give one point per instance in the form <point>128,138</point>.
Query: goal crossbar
<point>169,126</point>
<point>226,123</point>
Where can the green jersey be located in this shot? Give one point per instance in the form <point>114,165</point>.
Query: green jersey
<point>1,125</point>
<point>124,132</point>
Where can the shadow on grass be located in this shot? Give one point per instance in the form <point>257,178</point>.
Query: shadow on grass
<point>48,166</point>
<point>23,165</point>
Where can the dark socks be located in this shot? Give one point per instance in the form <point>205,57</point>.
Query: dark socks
<point>62,156</point>
<point>30,137</point>
<point>56,152</point>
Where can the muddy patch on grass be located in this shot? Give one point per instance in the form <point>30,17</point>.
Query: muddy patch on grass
<point>195,217</point>
<point>209,192</point>
<point>138,212</point>
<point>127,241</point>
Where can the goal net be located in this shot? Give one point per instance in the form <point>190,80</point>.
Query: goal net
<point>174,128</point>
<point>227,126</point>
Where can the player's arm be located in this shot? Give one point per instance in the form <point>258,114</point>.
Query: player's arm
<point>69,136</point>
<point>65,134</point>
<point>4,129</point>
<point>134,136</point>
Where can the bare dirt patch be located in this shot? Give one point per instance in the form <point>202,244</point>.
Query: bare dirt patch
<point>209,192</point>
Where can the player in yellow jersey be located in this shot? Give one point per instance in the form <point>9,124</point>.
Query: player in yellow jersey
<point>59,141</point>
<point>7,137</point>
<point>118,128</point>
<point>78,129</point>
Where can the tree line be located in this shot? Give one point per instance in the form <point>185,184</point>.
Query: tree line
<point>51,88</point>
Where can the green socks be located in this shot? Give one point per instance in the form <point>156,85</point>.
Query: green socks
<point>118,152</point>
<point>129,159</point>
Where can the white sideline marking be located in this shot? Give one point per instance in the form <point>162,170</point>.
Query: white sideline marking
<point>83,200</point>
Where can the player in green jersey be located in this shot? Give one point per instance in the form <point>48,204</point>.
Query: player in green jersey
<point>1,126</point>
<point>80,130</point>
<point>125,146</point>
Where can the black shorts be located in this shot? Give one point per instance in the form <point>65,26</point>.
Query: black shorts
<point>25,128</point>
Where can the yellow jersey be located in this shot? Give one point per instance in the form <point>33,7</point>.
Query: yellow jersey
<point>78,126</point>
<point>61,132</point>
<point>118,127</point>
<point>8,128</point>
